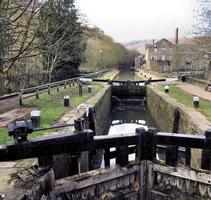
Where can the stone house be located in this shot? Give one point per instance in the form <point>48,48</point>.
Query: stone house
<point>139,61</point>
<point>159,55</point>
<point>188,56</point>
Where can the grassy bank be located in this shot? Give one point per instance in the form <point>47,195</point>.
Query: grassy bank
<point>52,108</point>
<point>187,99</point>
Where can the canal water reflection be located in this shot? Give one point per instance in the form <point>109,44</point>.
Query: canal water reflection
<point>126,74</point>
<point>125,118</point>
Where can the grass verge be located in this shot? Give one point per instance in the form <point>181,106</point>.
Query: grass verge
<point>52,108</point>
<point>187,99</point>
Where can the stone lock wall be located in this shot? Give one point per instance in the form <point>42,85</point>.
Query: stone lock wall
<point>101,111</point>
<point>162,108</point>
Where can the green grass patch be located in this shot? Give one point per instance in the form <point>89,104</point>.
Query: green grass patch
<point>187,99</point>
<point>4,138</point>
<point>52,108</point>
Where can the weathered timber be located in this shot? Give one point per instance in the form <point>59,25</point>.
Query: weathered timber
<point>122,155</point>
<point>91,178</point>
<point>172,150</point>
<point>206,153</point>
<point>62,143</point>
<point>196,175</point>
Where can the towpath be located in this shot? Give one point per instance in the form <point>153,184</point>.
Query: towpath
<point>187,87</point>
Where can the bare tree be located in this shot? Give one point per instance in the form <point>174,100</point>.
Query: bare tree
<point>19,27</point>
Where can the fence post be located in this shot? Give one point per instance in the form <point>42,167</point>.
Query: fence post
<point>151,143</point>
<point>49,89</point>
<point>65,85</point>
<point>206,153</point>
<point>140,149</point>
<point>140,154</point>
<point>80,89</point>
<point>172,150</point>
<point>57,88</point>
<point>37,94</point>
<point>107,157</point>
<point>146,153</point>
<point>20,98</point>
<point>187,156</point>
<point>122,155</point>
<point>151,149</point>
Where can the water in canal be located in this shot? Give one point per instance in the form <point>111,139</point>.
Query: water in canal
<point>126,75</point>
<point>125,118</point>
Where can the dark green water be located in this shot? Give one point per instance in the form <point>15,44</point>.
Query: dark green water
<point>125,118</point>
<point>126,75</point>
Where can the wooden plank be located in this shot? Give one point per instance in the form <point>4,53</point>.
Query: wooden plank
<point>91,178</point>
<point>196,175</point>
<point>150,180</point>
<point>143,179</point>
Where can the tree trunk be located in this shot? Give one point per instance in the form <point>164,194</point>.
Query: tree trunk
<point>2,84</point>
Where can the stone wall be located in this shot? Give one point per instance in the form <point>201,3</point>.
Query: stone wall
<point>162,108</point>
<point>100,106</point>
<point>197,82</point>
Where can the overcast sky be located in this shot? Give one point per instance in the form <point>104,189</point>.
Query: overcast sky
<point>130,20</point>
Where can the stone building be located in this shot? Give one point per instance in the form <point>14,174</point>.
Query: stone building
<point>139,61</point>
<point>190,56</point>
<point>159,55</point>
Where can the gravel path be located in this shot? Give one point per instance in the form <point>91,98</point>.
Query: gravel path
<point>194,90</point>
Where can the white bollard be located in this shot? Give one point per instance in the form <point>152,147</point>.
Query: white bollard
<point>66,101</point>
<point>166,88</point>
<point>196,100</point>
<point>35,118</point>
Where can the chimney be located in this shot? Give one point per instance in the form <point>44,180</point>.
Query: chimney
<point>177,36</point>
<point>153,41</point>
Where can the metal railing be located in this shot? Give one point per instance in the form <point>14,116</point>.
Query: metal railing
<point>35,91</point>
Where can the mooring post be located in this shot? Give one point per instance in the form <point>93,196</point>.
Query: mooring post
<point>206,153</point>
<point>79,125</point>
<point>20,98</point>
<point>89,89</point>
<point>37,93</point>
